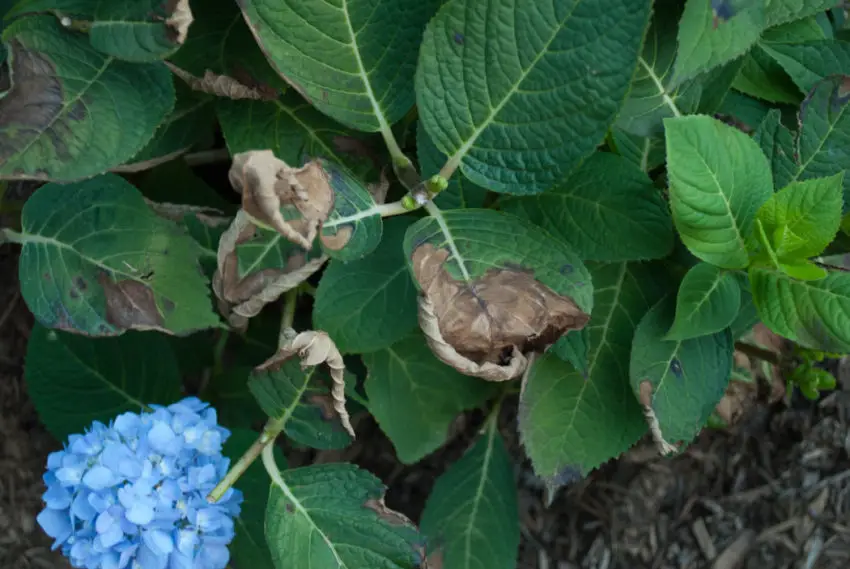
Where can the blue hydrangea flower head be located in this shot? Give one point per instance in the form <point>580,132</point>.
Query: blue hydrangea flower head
<point>133,494</point>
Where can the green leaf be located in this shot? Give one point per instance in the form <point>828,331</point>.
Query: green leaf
<point>514,113</point>
<point>300,400</point>
<point>718,179</point>
<point>73,381</point>
<point>132,30</point>
<point>815,314</point>
<point>228,392</point>
<point>248,549</point>
<point>367,305</point>
<point>354,226</point>
<point>292,129</point>
<point>803,217</point>
<point>415,398</point>
<point>472,512</point>
<point>708,302</point>
<point>479,240</point>
<point>777,143</point>
<point>745,110</point>
<point>747,316</point>
<point>607,210</point>
<point>461,192</point>
<point>572,348</point>
<point>354,61</point>
<point>97,261</point>
<point>781,11</point>
<point>66,114</point>
<point>705,43</point>
<point>647,153</point>
<point>653,97</point>
<point>809,62</point>
<point>679,382</point>
<point>570,422</point>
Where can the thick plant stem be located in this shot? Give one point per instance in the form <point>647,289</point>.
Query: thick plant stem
<point>402,165</point>
<point>269,434</point>
<point>758,353</point>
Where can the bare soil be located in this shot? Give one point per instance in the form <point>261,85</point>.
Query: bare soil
<point>773,492</point>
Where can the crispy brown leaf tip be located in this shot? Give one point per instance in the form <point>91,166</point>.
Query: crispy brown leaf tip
<point>268,183</point>
<point>243,296</point>
<point>180,19</point>
<point>224,85</point>
<point>645,397</point>
<point>316,348</point>
<point>486,327</point>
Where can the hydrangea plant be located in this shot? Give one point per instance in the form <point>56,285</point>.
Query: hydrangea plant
<point>308,212</point>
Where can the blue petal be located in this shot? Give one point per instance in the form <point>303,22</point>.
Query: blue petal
<point>82,507</point>
<point>70,475</point>
<point>57,497</point>
<point>213,556</point>
<point>112,536</point>
<point>210,443</point>
<point>99,477</point>
<point>127,555</point>
<point>97,502</point>
<point>187,540</point>
<point>80,551</point>
<point>139,513</point>
<point>54,459</point>
<point>158,541</point>
<point>127,424</point>
<point>188,404</point>
<point>181,561</point>
<point>105,522</point>
<point>55,523</point>
<point>109,560</point>
<point>161,437</point>
<point>148,559</point>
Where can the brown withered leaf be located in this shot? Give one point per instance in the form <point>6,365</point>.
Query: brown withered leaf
<point>175,212</point>
<point>180,19</point>
<point>315,348</point>
<point>268,183</point>
<point>484,328</point>
<point>223,85</point>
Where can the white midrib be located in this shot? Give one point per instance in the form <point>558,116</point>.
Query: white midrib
<point>740,237</point>
<point>437,215</point>
<point>454,161</point>
<point>479,493</point>
<point>660,86</point>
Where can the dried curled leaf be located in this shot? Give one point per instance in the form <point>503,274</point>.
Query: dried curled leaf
<point>242,296</point>
<point>315,348</point>
<point>224,85</point>
<point>645,396</point>
<point>484,327</point>
<point>268,183</point>
<point>175,212</point>
<point>180,19</point>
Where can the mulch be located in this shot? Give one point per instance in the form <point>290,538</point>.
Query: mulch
<point>771,492</point>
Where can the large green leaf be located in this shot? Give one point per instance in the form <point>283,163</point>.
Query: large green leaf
<point>815,314</point>
<point>705,42</point>
<point>708,301</point>
<point>781,11</point>
<point>72,112</point>
<point>332,516</point>
<point>228,392</point>
<point>300,400</point>
<point>718,179</point>
<point>571,422</point>
<point>572,348</point>
<point>809,62</point>
<point>353,60</point>
<point>679,382</point>
<point>248,549</point>
<point>518,102</point>
<point>97,261</point>
<point>415,398</point>
<point>607,210</point>
<point>803,217</point>
<point>132,30</point>
<point>645,152</point>
<point>472,512</point>
<point>461,192</point>
<point>73,381</point>
<point>367,305</point>
<point>777,143</point>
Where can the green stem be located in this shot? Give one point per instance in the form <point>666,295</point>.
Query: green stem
<point>9,236</point>
<point>218,352</point>
<point>402,165</point>
<point>269,434</point>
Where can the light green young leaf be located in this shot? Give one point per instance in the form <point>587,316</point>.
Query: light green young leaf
<point>708,301</point>
<point>73,381</point>
<point>64,115</point>
<point>249,549</point>
<point>705,43</point>
<point>809,62</point>
<point>332,516</point>
<point>415,398</point>
<point>647,152</point>
<point>517,114</point>
<point>472,514</point>
<point>781,11</point>
<point>108,264</point>
<point>300,400</point>
<point>461,193</point>
<point>803,217</point>
<point>132,30</point>
<point>368,304</point>
<point>570,422</point>
<point>607,210</point>
<point>815,314</point>
<point>677,382</point>
<point>354,60</point>
<point>718,179</point>
<point>777,143</point>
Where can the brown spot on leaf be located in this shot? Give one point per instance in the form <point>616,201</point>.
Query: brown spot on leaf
<point>80,283</point>
<point>179,20</point>
<point>223,85</point>
<point>290,509</point>
<point>268,183</point>
<point>501,311</point>
<point>390,516</point>
<point>130,304</point>
<point>339,240</point>
<point>74,294</point>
